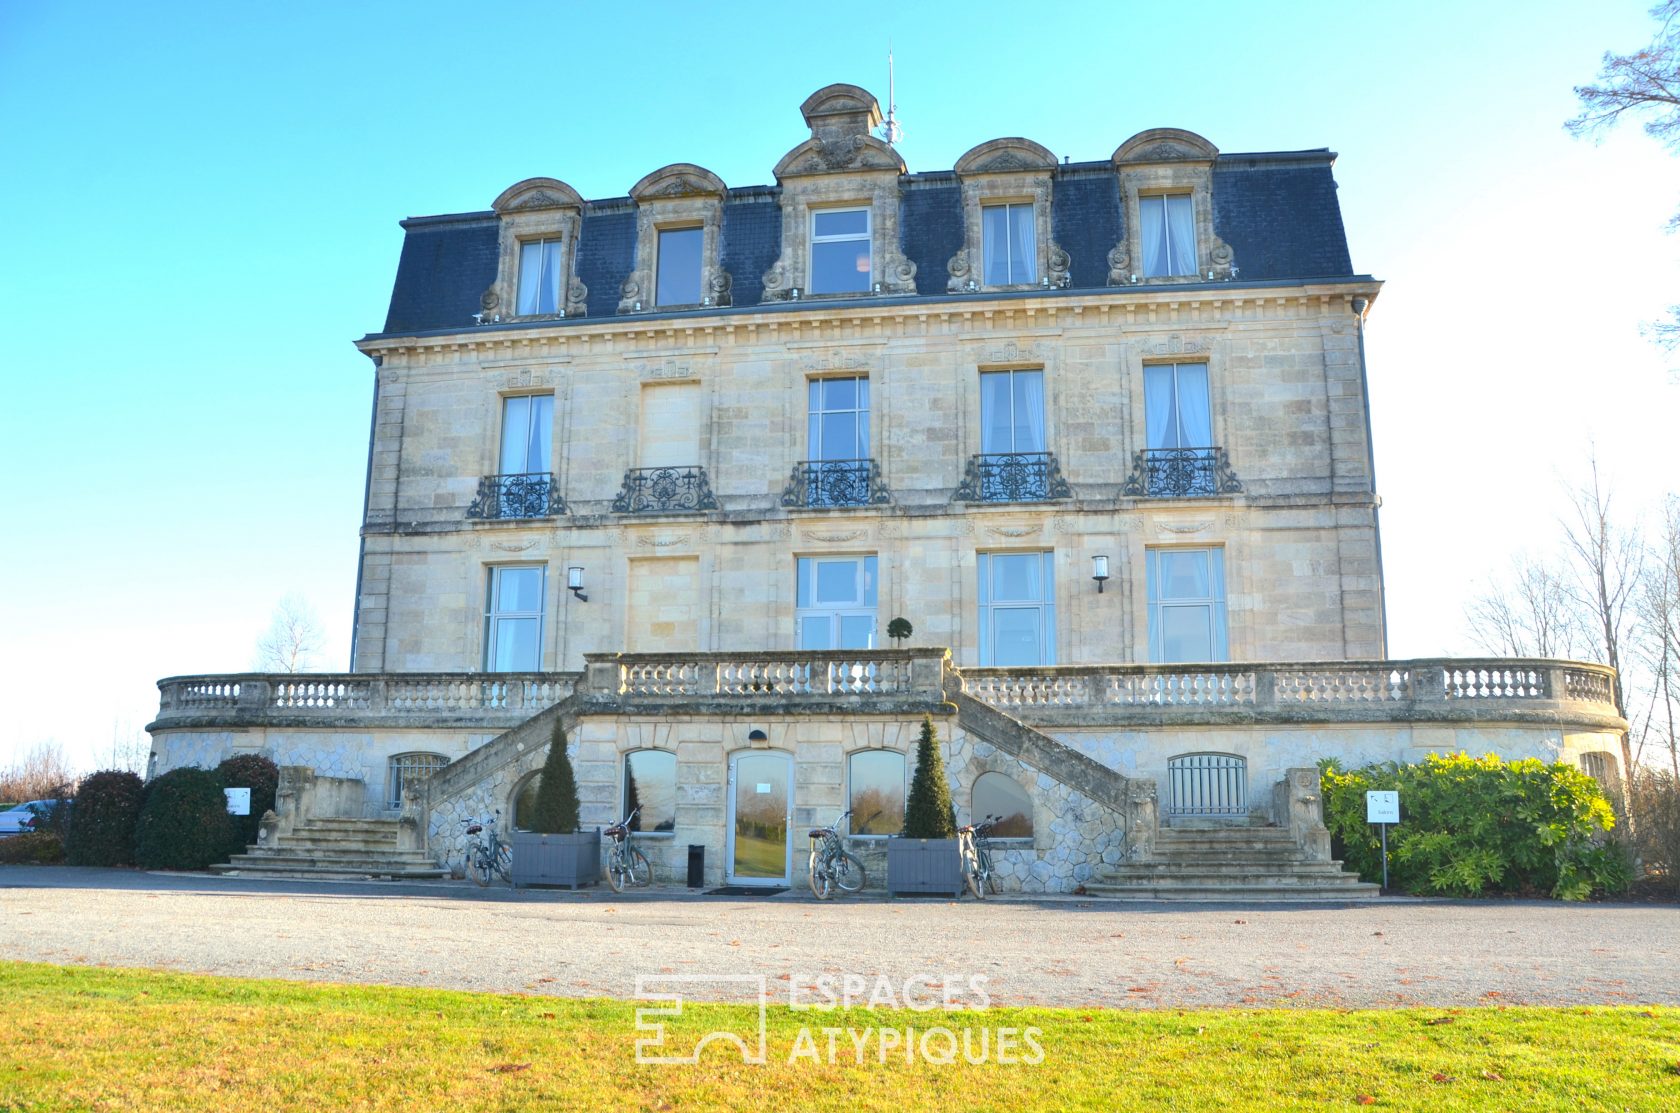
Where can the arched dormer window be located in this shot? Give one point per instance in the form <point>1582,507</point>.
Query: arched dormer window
<point>537,252</point>
<point>1166,198</point>
<point>1006,188</point>
<point>679,222</point>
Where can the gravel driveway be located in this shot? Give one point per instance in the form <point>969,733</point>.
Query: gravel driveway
<point>1063,951</point>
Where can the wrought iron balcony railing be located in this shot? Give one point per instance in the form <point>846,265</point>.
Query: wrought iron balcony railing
<point>664,491</point>
<point>1176,473</point>
<point>1012,477</point>
<point>531,495</point>
<point>828,483</point>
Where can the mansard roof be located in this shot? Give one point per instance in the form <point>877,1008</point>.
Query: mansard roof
<point>1277,211</point>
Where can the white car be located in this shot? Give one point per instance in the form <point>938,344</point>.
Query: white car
<point>15,821</point>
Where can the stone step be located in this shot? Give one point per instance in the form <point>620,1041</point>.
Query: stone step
<point>1157,867</point>
<point>257,856</point>
<point>278,872</point>
<point>332,824</point>
<point>1252,891</point>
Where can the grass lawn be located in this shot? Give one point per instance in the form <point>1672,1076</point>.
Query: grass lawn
<point>90,1038</point>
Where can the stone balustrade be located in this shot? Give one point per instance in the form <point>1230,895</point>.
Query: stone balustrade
<point>1432,689</point>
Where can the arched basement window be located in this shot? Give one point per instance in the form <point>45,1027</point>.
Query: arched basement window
<point>408,769</point>
<point>876,795</point>
<point>998,794</point>
<point>650,783</point>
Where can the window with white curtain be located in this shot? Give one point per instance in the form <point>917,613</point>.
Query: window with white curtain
<point>839,419</point>
<point>1011,411</point>
<point>1175,406</point>
<point>527,425</point>
<point>840,255</point>
<point>513,618</point>
<point>679,266</point>
<point>1009,244</point>
<point>1167,242</point>
<point>1017,609</point>
<point>836,602</point>
<point>539,276</point>
<point>1186,604</point>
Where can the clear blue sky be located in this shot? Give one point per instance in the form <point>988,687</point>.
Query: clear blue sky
<point>200,206</point>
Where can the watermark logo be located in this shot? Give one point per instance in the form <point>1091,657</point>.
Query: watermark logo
<point>669,988</point>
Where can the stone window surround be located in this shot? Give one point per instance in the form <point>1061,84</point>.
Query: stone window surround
<point>623,774</point>
<point>1167,161</point>
<point>681,195</point>
<point>536,209</point>
<point>907,759</point>
<point>977,412</point>
<point>1232,555</point>
<point>492,450</point>
<point>998,172</point>
<point>1216,408</point>
<point>480,629</point>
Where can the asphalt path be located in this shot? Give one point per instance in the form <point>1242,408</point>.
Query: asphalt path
<point>1044,951</point>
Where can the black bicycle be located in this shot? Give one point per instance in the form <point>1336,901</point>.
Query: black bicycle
<point>832,865</point>
<point>627,867</point>
<point>488,856</point>
<point>974,844</point>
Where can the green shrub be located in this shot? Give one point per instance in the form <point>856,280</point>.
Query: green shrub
<point>38,848</point>
<point>262,777</point>
<point>555,811</point>
<point>928,813</point>
<point>1470,826</point>
<point>102,820</point>
<point>184,822</point>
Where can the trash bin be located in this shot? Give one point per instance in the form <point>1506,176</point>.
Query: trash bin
<point>696,866</point>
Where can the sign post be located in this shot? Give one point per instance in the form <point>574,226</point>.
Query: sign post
<point>1383,808</point>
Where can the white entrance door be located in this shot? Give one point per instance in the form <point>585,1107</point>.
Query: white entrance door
<point>760,851</point>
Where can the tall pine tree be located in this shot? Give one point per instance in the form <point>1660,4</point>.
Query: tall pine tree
<point>556,809</point>
<point>929,814</point>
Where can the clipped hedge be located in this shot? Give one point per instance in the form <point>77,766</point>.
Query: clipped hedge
<point>1470,826</point>
<point>262,777</point>
<point>184,823</point>
<point>102,821</point>
<point>38,848</point>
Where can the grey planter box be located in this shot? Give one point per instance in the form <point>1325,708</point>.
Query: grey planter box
<point>923,866</point>
<point>567,860</point>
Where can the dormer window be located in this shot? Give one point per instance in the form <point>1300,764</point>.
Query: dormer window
<point>840,251</point>
<point>1167,233</point>
<point>541,267</point>
<point>680,251</point>
<point>1009,244</point>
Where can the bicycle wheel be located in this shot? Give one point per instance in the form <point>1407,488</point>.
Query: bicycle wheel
<point>617,875</point>
<point>478,867</point>
<point>848,872</point>
<point>821,886</point>
<point>503,863</point>
<point>972,879</point>
<point>641,873</point>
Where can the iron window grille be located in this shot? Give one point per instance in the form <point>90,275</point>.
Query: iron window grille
<point>664,491</point>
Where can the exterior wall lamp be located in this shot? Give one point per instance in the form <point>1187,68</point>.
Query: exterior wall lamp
<point>574,580</point>
<point>1099,571</point>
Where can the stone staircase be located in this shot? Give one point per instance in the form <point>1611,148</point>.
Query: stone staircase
<point>334,850</point>
<point>1229,863</point>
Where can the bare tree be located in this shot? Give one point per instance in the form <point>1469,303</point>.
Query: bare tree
<point>293,639</point>
<point>1530,614</point>
<point>1647,84</point>
<point>1659,617</point>
<point>1609,561</point>
<point>131,749</point>
<point>41,774</point>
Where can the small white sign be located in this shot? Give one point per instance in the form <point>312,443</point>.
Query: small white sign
<point>763,788</point>
<point>1382,807</point>
<point>238,800</point>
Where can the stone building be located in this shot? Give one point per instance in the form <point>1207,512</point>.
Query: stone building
<point>666,466</point>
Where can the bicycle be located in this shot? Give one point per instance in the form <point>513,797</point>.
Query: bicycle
<point>974,845</point>
<point>488,857</point>
<point>832,866</point>
<point>626,866</point>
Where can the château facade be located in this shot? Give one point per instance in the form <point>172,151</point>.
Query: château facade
<point>667,466</point>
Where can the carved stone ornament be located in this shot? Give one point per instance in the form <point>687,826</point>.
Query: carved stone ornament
<point>1176,345</point>
<point>538,200</point>
<point>1183,527</point>
<point>837,360</point>
<point>631,292</point>
<point>835,538</point>
<point>663,541</point>
<point>667,369</point>
<point>1017,531</point>
<point>1011,351</point>
<point>1059,262</point>
<point>512,546</point>
<point>1119,266</point>
<point>900,274</point>
<point>577,298</point>
<point>523,378</point>
<point>775,282</point>
<point>961,272</point>
<point>720,287</point>
<point>489,300</point>
<point>1008,160</point>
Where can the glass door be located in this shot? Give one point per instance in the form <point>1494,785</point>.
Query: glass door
<point>760,819</point>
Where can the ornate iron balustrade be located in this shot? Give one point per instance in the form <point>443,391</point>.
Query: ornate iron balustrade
<point>1012,477</point>
<point>664,491</point>
<point>529,495</point>
<point>828,483</point>
<point>1176,473</point>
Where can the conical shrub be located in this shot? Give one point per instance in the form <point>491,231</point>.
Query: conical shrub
<point>555,811</point>
<point>928,814</point>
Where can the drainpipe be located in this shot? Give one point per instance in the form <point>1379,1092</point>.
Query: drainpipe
<point>1360,306</point>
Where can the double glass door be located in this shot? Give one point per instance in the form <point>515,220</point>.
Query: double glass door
<point>760,819</point>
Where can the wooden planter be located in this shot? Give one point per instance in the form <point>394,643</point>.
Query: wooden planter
<point>923,866</point>
<point>566,860</point>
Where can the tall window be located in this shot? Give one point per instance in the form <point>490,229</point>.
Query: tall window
<point>877,792</point>
<point>539,276</point>
<point>1017,609</point>
<point>840,261</point>
<point>836,603</point>
<point>679,266</point>
<point>1000,795</point>
<point>650,784</point>
<point>839,419</point>
<point>527,424</point>
<point>1175,406</point>
<point>1011,411</point>
<point>1186,604</point>
<point>1168,224</point>
<point>1009,244</point>
<point>513,616</point>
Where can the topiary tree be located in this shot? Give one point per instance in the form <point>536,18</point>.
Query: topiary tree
<point>555,811</point>
<point>103,818</point>
<point>262,777</point>
<point>928,814</point>
<point>183,823</point>
<point>899,629</point>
